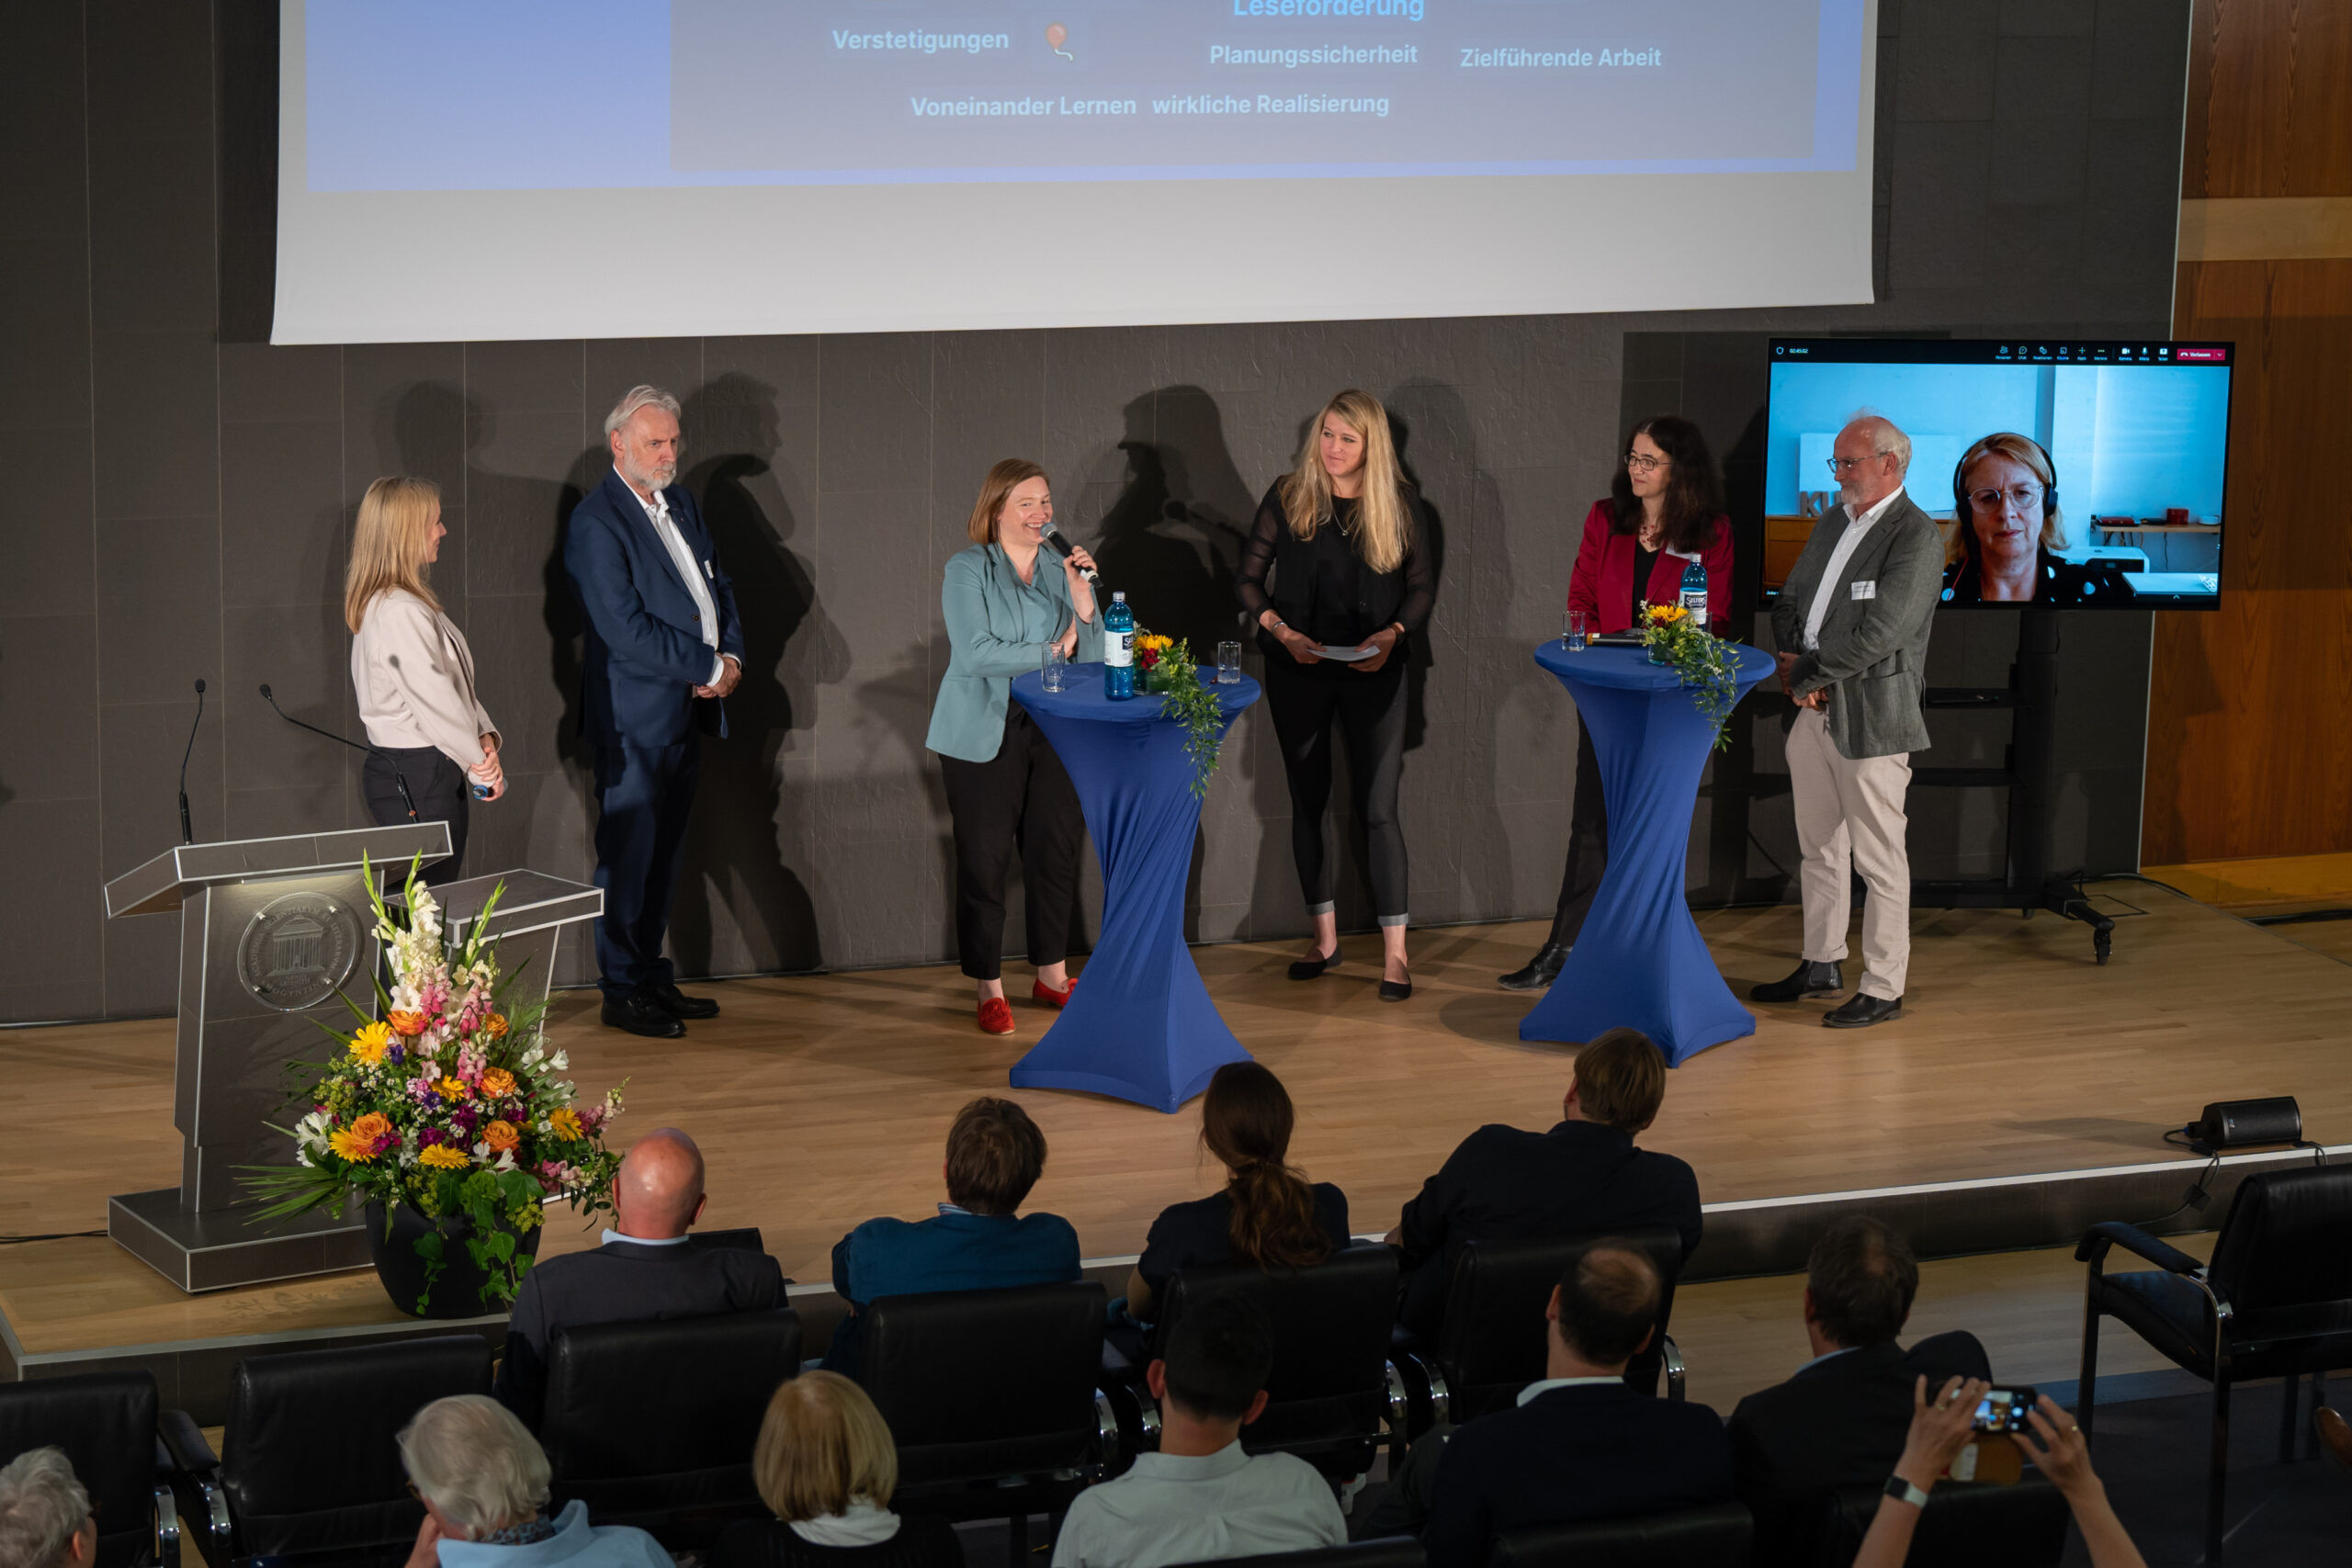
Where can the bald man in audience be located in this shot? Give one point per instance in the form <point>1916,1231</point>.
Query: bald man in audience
<point>650,1268</point>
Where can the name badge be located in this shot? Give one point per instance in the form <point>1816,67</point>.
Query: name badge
<point>1862,590</point>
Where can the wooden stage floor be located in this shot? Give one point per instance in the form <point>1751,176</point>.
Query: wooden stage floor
<point>822,1099</point>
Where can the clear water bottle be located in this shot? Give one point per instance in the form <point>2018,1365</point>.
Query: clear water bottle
<point>1694,592</point>
<point>1118,649</point>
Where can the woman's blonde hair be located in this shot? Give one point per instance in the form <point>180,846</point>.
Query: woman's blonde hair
<point>2020,450</point>
<point>1382,520</point>
<point>477,1463</point>
<point>823,1445</point>
<point>389,546</point>
<point>1002,480</point>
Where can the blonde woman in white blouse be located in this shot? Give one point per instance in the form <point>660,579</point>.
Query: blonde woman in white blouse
<point>413,673</point>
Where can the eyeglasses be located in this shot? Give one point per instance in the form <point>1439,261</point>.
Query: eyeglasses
<point>1643,463</point>
<point>1839,467</point>
<point>2021,496</point>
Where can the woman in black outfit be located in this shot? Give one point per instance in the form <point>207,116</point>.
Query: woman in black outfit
<point>1265,1213</point>
<point>1346,541</point>
<point>825,1465</point>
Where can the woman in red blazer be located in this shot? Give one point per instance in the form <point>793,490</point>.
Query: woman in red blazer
<point>1663,511</point>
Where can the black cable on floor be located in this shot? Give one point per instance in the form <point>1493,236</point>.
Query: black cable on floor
<point>51,1235</point>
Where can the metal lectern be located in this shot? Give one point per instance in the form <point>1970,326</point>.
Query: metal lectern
<point>270,930</point>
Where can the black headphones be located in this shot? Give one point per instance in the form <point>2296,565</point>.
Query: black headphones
<point>1961,506</point>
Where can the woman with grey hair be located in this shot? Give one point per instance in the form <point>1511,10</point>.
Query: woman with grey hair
<point>483,1481</point>
<point>45,1518</point>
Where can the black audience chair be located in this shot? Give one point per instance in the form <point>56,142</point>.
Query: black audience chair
<point>2274,1302</point>
<point>982,1386</point>
<point>310,1467</point>
<point>1491,1342</point>
<point>106,1422</point>
<point>1713,1537</point>
<point>653,1423</point>
<point>1388,1551</point>
<point>1965,1524</point>
<point>1332,1387</point>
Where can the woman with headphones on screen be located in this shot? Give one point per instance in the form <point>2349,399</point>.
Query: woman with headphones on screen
<point>2005,499</point>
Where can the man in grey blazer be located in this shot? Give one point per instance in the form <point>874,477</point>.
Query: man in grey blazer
<point>1851,626</point>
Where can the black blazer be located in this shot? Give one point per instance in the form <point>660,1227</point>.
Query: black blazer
<point>1840,1422</point>
<point>1506,1184</point>
<point>624,1281</point>
<point>1572,1454</point>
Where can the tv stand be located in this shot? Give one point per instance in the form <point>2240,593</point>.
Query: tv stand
<point>2031,780</point>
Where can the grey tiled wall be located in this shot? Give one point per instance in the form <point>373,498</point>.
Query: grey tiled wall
<point>177,507</point>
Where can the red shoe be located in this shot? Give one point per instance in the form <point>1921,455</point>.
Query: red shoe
<point>1050,997</point>
<point>996,1016</point>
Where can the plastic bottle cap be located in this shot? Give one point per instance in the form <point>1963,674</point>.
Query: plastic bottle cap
<point>1120,597</point>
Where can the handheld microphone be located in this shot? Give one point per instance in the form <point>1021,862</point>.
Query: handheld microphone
<point>187,833</point>
<point>398,778</point>
<point>1052,538</point>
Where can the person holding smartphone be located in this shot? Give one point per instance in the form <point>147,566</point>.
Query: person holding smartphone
<point>1337,574</point>
<point>413,674</point>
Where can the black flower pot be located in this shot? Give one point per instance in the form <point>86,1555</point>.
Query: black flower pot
<point>458,1292</point>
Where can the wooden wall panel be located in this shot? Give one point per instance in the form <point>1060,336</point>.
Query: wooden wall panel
<point>2250,708</point>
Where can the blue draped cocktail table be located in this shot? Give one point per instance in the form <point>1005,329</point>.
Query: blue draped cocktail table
<point>1639,960</point>
<point>1140,1026</point>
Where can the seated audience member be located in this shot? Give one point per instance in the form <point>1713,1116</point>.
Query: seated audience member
<point>1940,1428</point>
<point>825,1465</point>
<point>648,1268</point>
<point>45,1517</point>
<point>483,1481</point>
<point>1582,1444</point>
<point>1265,1213</point>
<point>1840,1420</point>
<point>995,1154</point>
<point>1200,1497</point>
<point>1583,1178</point>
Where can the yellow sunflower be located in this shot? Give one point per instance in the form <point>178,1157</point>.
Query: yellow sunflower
<point>352,1147</point>
<point>370,1044</point>
<point>565,1123</point>
<point>441,1156</point>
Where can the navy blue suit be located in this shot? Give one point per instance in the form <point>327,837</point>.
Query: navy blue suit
<point>646,654</point>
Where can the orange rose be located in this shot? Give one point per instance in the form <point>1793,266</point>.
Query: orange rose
<point>405,1023</point>
<point>374,1126</point>
<point>497,1084</point>
<point>500,1136</point>
<point>496,1025</point>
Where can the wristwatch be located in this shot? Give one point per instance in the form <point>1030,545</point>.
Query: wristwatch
<point>1903,1491</point>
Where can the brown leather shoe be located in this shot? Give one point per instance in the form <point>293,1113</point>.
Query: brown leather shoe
<point>2335,1433</point>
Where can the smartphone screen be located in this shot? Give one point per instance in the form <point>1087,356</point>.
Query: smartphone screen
<point>2002,1409</point>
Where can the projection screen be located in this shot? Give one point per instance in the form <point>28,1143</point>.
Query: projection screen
<point>483,169</point>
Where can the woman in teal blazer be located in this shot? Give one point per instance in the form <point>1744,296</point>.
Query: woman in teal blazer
<point>1005,605</point>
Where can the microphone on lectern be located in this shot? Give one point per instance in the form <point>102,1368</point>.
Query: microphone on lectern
<point>187,833</point>
<point>406,799</point>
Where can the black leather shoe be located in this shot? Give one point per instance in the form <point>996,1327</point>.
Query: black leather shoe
<point>640,1013</point>
<point>1540,971</point>
<point>1309,968</point>
<point>1861,1011</point>
<point>677,1004</point>
<point>1395,990</point>
<point>1809,979</point>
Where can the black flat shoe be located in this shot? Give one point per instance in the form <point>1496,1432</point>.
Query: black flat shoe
<point>1309,968</point>
<point>1861,1011</point>
<point>1809,979</point>
<point>639,1013</point>
<point>1540,971</point>
<point>1395,990</point>
<point>677,1004</point>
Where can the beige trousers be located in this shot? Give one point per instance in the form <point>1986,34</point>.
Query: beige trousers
<point>1849,814</point>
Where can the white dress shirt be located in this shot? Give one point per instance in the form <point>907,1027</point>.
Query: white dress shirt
<point>1195,1508</point>
<point>1538,1389</point>
<point>1847,542</point>
<point>657,512</point>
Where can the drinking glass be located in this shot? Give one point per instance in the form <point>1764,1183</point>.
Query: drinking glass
<point>1228,664</point>
<point>1053,669</point>
<point>1572,631</point>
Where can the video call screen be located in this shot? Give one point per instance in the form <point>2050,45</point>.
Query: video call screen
<point>2072,473</point>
